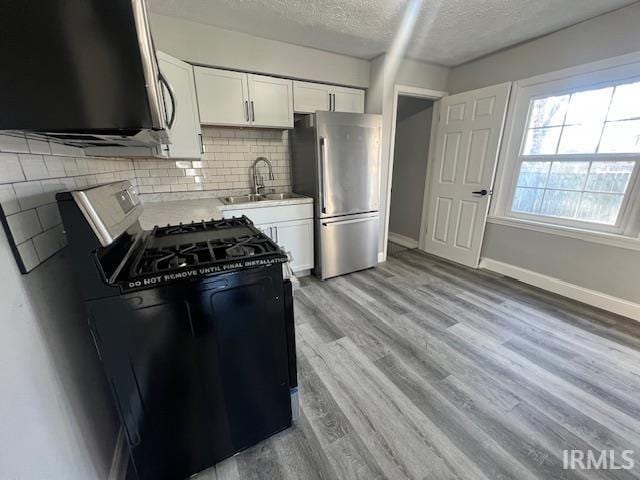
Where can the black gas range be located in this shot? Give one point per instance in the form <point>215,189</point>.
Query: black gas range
<point>193,324</point>
<point>188,251</point>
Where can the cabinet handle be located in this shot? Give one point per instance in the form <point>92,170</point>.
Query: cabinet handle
<point>201,143</point>
<point>246,110</point>
<point>330,102</point>
<point>276,227</point>
<point>253,112</point>
<point>334,102</point>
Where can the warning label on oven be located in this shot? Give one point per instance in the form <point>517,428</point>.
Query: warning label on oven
<point>197,272</point>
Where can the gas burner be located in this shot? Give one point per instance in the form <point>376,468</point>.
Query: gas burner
<point>202,226</point>
<point>240,251</point>
<point>176,229</point>
<point>217,243</point>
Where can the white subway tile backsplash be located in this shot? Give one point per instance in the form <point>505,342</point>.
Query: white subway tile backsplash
<point>70,166</point>
<point>49,242</point>
<point>14,144</point>
<point>66,150</point>
<point>24,225</point>
<point>30,194</point>
<point>225,167</point>
<point>55,166</point>
<point>31,173</point>
<point>38,146</point>
<point>33,166</point>
<point>11,170</point>
<point>8,200</point>
<point>28,255</point>
<point>48,215</point>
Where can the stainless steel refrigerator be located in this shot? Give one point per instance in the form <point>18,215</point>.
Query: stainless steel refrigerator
<point>335,158</point>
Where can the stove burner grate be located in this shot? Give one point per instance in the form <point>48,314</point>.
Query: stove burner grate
<point>165,259</point>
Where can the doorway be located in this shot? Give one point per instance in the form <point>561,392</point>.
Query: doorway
<point>413,121</point>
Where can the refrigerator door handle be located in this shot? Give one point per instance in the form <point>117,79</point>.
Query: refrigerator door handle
<point>323,153</point>
<point>346,222</point>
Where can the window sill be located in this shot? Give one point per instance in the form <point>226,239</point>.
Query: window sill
<point>613,240</point>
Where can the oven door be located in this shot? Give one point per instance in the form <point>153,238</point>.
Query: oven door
<point>347,244</point>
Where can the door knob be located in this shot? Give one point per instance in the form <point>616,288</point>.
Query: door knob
<point>482,192</point>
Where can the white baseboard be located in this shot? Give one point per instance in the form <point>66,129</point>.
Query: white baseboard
<point>402,240</point>
<point>120,460</point>
<point>570,290</point>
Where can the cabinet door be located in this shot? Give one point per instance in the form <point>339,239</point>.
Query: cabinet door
<point>296,238</point>
<point>349,100</point>
<point>185,134</point>
<point>271,101</point>
<point>310,97</point>
<point>223,96</point>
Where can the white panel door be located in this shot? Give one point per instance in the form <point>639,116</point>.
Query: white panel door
<point>296,238</point>
<point>185,135</point>
<point>349,100</point>
<point>271,101</point>
<point>223,96</point>
<point>467,139</point>
<point>310,97</point>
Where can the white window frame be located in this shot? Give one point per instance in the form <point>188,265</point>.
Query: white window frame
<point>624,69</point>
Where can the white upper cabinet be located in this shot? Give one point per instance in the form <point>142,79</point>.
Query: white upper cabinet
<point>185,134</point>
<point>348,100</point>
<point>223,96</point>
<point>270,101</point>
<point>310,97</point>
<point>241,99</point>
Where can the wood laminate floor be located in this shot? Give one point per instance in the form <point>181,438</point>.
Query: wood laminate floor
<point>421,369</point>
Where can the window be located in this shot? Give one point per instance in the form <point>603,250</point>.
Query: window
<point>578,156</point>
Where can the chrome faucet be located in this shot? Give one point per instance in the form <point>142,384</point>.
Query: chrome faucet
<point>258,180</point>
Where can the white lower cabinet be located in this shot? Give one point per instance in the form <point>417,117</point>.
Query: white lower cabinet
<point>290,226</point>
<point>295,238</point>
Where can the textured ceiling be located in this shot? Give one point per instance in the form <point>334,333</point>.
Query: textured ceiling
<point>448,32</point>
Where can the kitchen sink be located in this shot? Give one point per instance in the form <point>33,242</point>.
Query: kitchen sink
<point>241,199</point>
<point>234,200</point>
<point>279,196</point>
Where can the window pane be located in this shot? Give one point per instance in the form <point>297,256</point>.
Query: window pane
<point>626,102</point>
<point>569,175</point>
<point>621,137</point>
<point>542,141</point>
<point>560,203</point>
<point>609,176</point>
<point>533,174</point>
<point>527,200</point>
<point>600,207</point>
<point>589,106</point>
<point>580,138</point>
<point>549,111</point>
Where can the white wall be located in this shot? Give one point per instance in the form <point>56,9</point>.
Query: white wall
<point>413,129</point>
<point>380,100</point>
<point>55,410</point>
<point>203,44</point>
<point>611,270</point>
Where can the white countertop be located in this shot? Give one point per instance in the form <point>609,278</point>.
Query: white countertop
<point>186,211</point>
